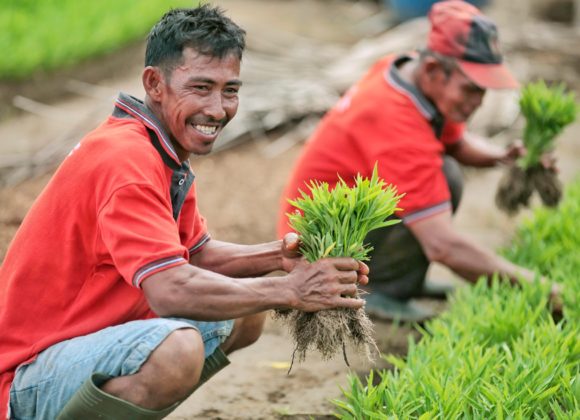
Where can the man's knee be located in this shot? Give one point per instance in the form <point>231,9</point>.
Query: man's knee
<point>169,375</point>
<point>180,356</point>
<point>175,365</point>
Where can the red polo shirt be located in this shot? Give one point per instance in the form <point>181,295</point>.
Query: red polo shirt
<point>381,119</point>
<point>120,208</point>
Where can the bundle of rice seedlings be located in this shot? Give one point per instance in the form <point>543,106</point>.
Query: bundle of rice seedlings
<point>334,223</point>
<point>547,111</point>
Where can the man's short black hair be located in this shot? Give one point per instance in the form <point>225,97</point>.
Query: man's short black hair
<point>205,29</point>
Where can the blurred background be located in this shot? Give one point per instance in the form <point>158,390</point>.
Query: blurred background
<point>65,61</point>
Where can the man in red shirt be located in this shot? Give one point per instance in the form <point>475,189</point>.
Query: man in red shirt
<point>408,115</point>
<point>114,301</point>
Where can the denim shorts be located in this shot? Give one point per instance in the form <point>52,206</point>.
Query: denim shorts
<point>41,389</point>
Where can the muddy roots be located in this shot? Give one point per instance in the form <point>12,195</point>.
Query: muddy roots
<point>547,184</point>
<point>329,332</point>
<point>514,191</point>
<point>517,186</point>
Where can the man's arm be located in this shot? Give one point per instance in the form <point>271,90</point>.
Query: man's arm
<point>192,292</point>
<point>235,260</point>
<point>474,150</point>
<point>443,244</point>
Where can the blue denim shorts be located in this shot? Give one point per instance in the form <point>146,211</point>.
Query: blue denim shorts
<point>42,388</point>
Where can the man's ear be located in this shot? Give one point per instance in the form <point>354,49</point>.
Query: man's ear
<point>152,82</point>
<point>432,68</point>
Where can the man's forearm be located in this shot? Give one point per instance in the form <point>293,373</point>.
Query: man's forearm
<point>191,292</point>
<point>471,262</point>
<point>235,260</point>
<point>476,151</point>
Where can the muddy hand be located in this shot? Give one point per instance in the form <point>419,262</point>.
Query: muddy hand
<point>514,151</point>
<point>327,283</point>
<point>548,161</point>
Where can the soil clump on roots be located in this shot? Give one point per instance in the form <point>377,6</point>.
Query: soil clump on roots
<point>517,186</point>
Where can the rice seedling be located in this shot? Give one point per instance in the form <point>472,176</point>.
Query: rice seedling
<point>497,352</point>
<point>547,110</point>
<point>334,223</point>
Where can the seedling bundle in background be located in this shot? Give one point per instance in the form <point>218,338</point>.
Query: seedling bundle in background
<point>547,111</point>
<point>334,223</point>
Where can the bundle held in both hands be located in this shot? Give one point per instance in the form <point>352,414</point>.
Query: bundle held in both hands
<point>334,223</point>
<point>547,111</point>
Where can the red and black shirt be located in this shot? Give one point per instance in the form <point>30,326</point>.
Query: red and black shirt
<point>120,208</point>
<point>385,120</point>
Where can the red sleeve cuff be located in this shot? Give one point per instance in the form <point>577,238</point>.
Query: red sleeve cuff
<point>425,213</point>
<point>155,267</point>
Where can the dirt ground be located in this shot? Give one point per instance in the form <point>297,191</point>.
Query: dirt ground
<point>239,191</point>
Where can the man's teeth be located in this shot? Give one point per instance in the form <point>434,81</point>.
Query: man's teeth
<point>206,129</point>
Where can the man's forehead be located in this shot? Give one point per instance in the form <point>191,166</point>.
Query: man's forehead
<point>195,65</point>
<point>464,80</point>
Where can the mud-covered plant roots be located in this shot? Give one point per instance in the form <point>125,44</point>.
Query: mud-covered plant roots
<point>334,223</point>
<point>547,111</point>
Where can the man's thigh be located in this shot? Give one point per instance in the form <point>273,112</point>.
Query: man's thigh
<point>41,388</point>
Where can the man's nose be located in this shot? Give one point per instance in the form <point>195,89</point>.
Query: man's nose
<point>214,107</point>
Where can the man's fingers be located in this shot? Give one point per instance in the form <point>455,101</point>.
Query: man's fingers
<point>349,290</point>
<point>291,241</point>
<point>363,268</point>
<point>347,277</point>
<point>548,161</point>
<point>363,280</point>
<point>344,263</point>
<point>348,302</point>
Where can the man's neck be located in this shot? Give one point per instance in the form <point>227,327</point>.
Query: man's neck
<point>408,71</point>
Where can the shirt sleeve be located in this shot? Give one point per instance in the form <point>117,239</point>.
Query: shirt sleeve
<point>452,133</point>
<point>138,230</point>
<point>409,157</point>
<point>192,225</point>
<point>422,182</point>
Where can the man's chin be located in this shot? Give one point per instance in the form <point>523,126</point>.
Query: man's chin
<point>202,151</point>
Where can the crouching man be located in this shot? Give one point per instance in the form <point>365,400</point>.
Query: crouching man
<point>114,301</point>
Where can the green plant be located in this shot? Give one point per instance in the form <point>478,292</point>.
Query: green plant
<point>43,35</point>
<point>547,110</point>
<point>497,352</point>
<point>335,222</point>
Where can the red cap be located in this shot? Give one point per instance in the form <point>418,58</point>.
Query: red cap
<point>460,30</point>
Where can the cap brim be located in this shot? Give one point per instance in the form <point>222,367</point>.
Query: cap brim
<point>489,76</point>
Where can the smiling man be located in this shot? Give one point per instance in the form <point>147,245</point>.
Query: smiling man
<point>114,301</point>
<point>408,114</point>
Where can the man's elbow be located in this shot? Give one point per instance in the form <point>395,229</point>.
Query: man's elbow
<point>163,297</point>
<point>440,251</point>
<point>163,306</point>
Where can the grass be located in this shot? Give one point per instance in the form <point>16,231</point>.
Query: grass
<point>496,353</point>
<point>44,35</point>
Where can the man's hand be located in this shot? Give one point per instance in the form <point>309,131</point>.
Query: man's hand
<point>513,151</point>
<point>517,150</point>
<point>327,283</point>
<point>290,251</point>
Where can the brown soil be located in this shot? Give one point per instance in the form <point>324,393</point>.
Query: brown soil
<point>239,192</point>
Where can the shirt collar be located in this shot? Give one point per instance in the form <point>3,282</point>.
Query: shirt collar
<point>424,105</point>
<point>127,105</point>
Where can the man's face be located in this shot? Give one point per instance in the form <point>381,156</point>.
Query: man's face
<point>457,97</point>
<point>198,100</point>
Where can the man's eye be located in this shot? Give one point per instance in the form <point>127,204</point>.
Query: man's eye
<point>201,87</point>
